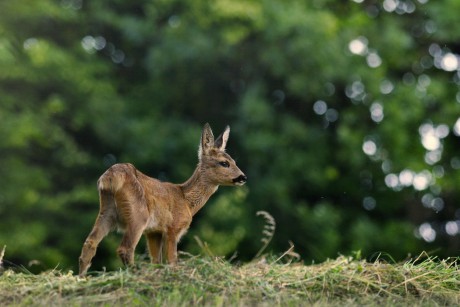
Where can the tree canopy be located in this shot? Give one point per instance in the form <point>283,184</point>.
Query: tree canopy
<point>345,116</point>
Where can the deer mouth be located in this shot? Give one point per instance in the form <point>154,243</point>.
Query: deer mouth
<point>240,180</point>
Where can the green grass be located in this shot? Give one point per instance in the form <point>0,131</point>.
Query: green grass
<point>215,282</point>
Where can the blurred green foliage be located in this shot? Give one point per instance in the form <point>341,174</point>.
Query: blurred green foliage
<point>344,116</point>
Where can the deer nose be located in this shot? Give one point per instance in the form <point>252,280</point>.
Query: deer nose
<point>240,180</point>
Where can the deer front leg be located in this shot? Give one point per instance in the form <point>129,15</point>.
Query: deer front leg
<point>171,247</point>
<point>155,245</point>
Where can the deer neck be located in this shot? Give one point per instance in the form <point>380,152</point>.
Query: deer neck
<point>197,190</point>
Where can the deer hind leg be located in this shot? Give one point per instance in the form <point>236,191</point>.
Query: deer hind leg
<point>129,242</point>
<point>105,222</point>
<point>135,222</point>
<point>155,245</point>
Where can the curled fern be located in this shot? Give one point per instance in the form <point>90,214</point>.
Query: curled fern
<point>268,231</point>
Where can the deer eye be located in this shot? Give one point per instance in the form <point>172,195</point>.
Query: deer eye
<point>224,164</point>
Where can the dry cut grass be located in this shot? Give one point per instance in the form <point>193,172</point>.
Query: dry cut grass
<point>215,282</point>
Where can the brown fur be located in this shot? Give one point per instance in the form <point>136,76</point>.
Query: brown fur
<point>162,211</point>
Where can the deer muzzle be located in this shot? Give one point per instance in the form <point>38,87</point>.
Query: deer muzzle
<point>240,180</point>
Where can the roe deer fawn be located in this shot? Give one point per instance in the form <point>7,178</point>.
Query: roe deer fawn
<point>162,211</point>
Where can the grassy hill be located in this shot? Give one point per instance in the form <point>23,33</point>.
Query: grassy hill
<point>216,282</point>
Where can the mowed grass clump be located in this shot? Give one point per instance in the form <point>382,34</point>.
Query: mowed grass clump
<point>214,282</point>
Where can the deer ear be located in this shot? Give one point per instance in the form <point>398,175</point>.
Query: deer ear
<point>221,141</point>
<point>207,140</point>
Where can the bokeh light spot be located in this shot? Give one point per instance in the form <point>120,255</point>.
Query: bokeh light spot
<point>369,203</point>
<point>386,87</point>
<point>430,136</point>
<point>320,107</point>
<point>390,5</point>
<point>358,46</point>
<point>174,21</point>
<point>391,180</point>
<point>427,232</point>
<point>452,228</point>
<point>30,43</point>
<point>457,127</point>
<point>422,180</point>
<point>449,62</point>
<point>376,112</point>
<point>373,59</point>
<point>406,177</point>
<point>369,147</point>
<point>332,115</point>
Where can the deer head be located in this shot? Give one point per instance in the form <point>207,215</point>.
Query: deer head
<point>217,166</point>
